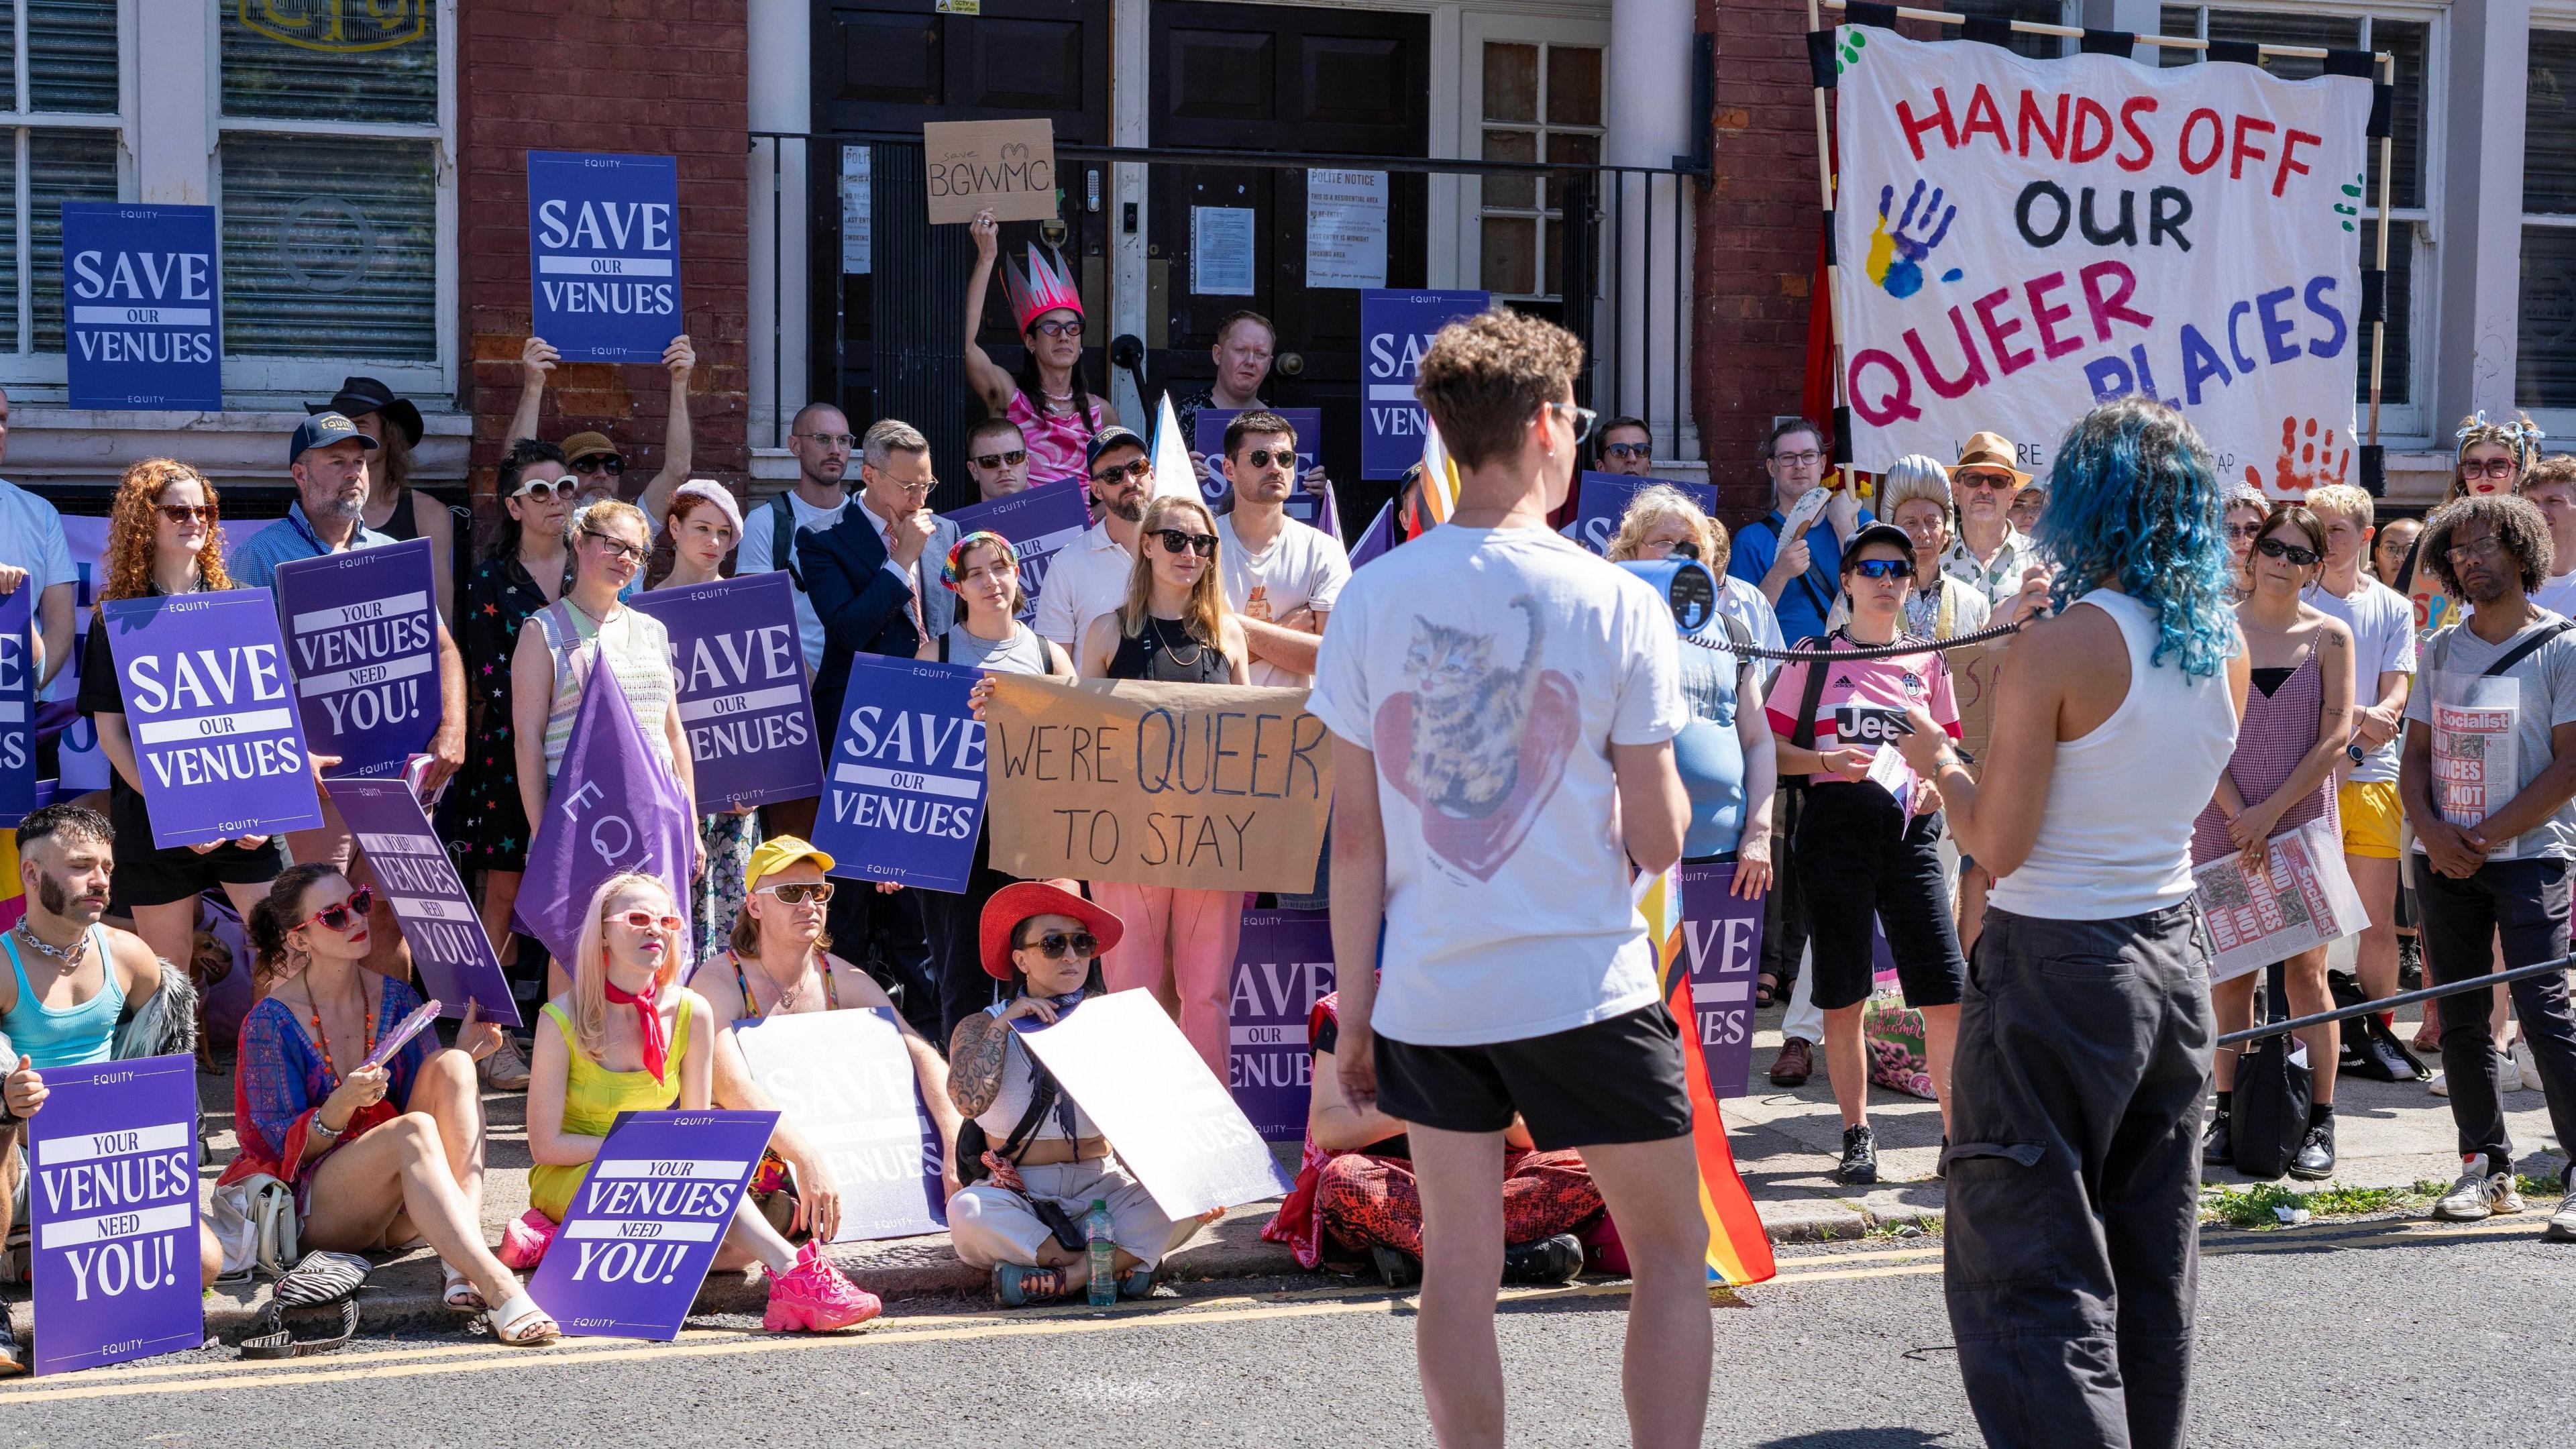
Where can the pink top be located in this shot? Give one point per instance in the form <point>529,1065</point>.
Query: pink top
<point>2277,732</point>
<point>1055,440</point>
<point>1863,704</point>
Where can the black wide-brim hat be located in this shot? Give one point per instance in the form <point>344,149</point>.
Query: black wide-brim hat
<point>359,395</point>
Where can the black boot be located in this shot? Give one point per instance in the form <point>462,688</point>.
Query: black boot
<point>2316,1159</point>
<point>1555,1260</point>
<point>1399,1270</point>
<point>2218,1144</point>
<point>1860,1155</point>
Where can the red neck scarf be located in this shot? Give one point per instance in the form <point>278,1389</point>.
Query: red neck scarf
<point>648,1022</point>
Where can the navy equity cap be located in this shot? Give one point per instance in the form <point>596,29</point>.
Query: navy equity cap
<point>322,430</point>
<point>1112,436</point>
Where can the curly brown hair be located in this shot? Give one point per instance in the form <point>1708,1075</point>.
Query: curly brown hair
<point>1487,375</point>
<point>130,531</point>
<point>2517,523</point>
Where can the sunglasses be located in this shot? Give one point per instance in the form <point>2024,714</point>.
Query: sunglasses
<point>1996,481</point>
<point>339,917</point>
<point>1884,568</point>
<point>799,892</point>
<point>1080,945</point>
<point>1684,549</point>
<point>2491,468</point>
<point>1627,450</point>
<point>1059,329</point>
<point>1264,457</point>
<point>630,552</point>
<point>1177,542</point>
<point>184,514</point>
<point>608,463</point>
<point>2244,530</point>
<point>2274,548</point>
<point>647,921</point>
<point>547,488</point>
<point>1011,459</point>
<point>1141,468</point>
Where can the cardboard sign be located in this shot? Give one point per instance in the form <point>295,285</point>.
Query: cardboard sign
<point>216,739</point>
<point>113,1195</point>
<point>907,783</point>
<point>1007,167</point>
<point>143,320</point>
<point>604,254</point>
<point>1722,948</point>
<point>1604,498</point>
<point>1208,440</point>
<point>741,689</point>
<point>1193,786</point>
<point>846,1079</point>
<point>1283,965</point>
<point>1396,329</point>
<point>362,643</point>
<point>17,705</point>
<point>1974,672</point>
<point>448,944</point>
<point>1131,1069</point>
<point>1040,522</point>
<point>645,1224</point>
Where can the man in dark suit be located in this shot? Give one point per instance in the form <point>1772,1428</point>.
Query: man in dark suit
<point>873,578</point>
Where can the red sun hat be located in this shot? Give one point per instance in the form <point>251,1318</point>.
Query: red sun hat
<point>1020,900</point>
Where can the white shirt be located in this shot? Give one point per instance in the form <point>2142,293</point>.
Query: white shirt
<point>1088,579</point>
<point>31,538</point>
<point>1491,670</point>
<point>2383,640</point>
<point>1304,568</point>
<point>2557,594</point>
<point>1749,607</point>
<point>754,558</point>
<point>2000,579</point>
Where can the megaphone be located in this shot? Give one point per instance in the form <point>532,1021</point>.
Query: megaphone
<point>1686,587</point>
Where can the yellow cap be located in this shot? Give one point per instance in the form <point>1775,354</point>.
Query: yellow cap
<point>776,854</point>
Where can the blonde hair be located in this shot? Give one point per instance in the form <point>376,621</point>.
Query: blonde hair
<point>2517,435</point>
<point>2557,468</point>
<point>590,962</point>
<point>2344,500</point>
<point>1910,477</point>
<point>1205,617</point>
<point>1652,506</point>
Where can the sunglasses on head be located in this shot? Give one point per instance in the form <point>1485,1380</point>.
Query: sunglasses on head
<point>337,918</point>
<point>1136,468</point>
<point>184,514</point>
<point>1011,459</point>
<point>648,921</point>
<point>547,488</point>
<point>1884,568</point>
<point>2275,548</point>
<point>1264,457</point>
<point>798,893</point>
<point>600,463</point>
<point>1080,945</point>
<point>1177,542</point>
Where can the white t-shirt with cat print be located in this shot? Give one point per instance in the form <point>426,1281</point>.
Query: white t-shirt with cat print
<point>1491,670</point>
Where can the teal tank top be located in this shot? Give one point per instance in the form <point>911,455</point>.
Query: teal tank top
<point>79,1036</point>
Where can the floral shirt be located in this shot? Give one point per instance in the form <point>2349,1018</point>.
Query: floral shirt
<point>491,827</point>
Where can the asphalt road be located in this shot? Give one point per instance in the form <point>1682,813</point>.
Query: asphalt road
<point>2374,1333</point>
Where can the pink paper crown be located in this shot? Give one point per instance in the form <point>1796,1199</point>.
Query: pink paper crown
<point>1040,290</point>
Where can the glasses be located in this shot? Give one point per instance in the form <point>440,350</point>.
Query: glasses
<point>1080,945</point>
<point>339,917</point>
<point>799,892</point>
<point>1059,329</point>
<point>2487,547</point>
<point>2275,548</point>
<point>1583,418</point>
<point>608,463</point>
<point>647,921</point>
<point>924,486</point>
<point>547,488</point>
<point>632,553</point>
<point>1807,459</point>
<point>1884,568</point>
<point>1177,542</point>
<point>1011,459</point>
<point>1264,457</point>
<point>2244,530</point>
<point>832,440</point>
<point>1683,549</point>
<point>2491,468</point>
<point>1140,468</point>
<point>184,514</point>
<point>1996,481</point>
<point>1628,450</point>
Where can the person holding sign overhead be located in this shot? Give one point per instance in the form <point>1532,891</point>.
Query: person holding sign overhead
<point>596,464</point>
<point>1050,398</point>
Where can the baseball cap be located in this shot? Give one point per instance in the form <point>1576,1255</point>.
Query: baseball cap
<point>586,445</point>
<point>322,430</point>
<point>1107,438</point>
<point>1887,533</point>
<point>776,854</point>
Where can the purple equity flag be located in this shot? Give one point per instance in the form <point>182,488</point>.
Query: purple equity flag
<point>848,1079</point>
<point>448,945</point>
<point>907,787</point>
<point>207,705</point>
<point>647,1220</point>
<point>1377,538</point>
<point>1723,938</point>
<point>17,706</point>
<point>362,643</point>
<point>614,807</point>
<point>742,696</point>
<point>113,1189</point>
<point>1038,521</point>
<point>1282,967</point>
<point>1602,500</point>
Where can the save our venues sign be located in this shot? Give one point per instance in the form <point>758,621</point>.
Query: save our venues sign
<point>604,254</point>
<point>142,313</point>
<point>217,745</point>
<point>2022,238</point>
<point>741,690</point>
<point>1397,328</point>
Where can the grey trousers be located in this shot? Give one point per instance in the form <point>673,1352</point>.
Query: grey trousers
<point>2072,1250</point>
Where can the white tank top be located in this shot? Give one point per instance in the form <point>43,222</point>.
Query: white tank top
<point>2115,837</point>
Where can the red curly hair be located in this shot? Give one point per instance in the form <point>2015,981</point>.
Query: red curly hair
<point>130,529</point>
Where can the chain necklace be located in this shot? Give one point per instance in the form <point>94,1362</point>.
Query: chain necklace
<point>1197,653</point>
<point>787,997</point>
<point>71,955</point>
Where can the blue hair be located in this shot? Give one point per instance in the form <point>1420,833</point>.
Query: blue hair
<point>2132,500</point>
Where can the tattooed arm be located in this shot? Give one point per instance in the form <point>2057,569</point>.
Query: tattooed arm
<point>975,1058</point>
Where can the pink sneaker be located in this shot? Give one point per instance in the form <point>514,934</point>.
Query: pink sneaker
<point>815,1296</point>
<point>524,1241</point>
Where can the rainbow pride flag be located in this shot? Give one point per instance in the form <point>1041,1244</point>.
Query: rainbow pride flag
<point>1739,1251</point>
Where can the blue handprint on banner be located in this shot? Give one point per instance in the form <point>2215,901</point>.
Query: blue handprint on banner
<point>1896,255</point>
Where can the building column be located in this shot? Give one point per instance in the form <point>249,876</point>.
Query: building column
<point>2478,231</point>
<point>780,36</point>
<point>173,102</point>
<point>1648,105</point>
<point>1130,124</point>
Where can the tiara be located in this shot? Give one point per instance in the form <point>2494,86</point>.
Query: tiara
<point>1039,290</point>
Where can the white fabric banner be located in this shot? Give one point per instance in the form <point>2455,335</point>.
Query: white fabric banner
<point>2020,239</point>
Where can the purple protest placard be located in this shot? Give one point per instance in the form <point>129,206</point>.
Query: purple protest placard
<point>216,740</point>
<point>742,696</point>
<point>645,1224</point>
<point>1723,936</point>
<point>1038,521</point>
<point>362,643</point>
<point>113,1153</point>
<point>1208,439</point>
<point>847,1080</point>
<point>17,706</point>
<point>1603,498</point>
<point>448,946</point>
<point>907,787</point>
<point>1283,965</point>
<point>1377,538</point>
<point>614,807</point>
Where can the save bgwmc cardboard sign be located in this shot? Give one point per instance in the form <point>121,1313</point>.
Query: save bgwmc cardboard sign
<point>2019,239</point>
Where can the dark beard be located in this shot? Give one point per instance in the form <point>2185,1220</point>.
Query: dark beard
<point>1131,511</point>
<point>59,902</point>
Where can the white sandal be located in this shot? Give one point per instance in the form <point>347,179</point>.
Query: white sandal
<point>459,1294</point>
<point>521,1323</point>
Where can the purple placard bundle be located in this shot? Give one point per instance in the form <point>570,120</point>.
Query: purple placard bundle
<point>1722,939</point>
<point>207,705</point>
<point>742,697</point>
<point>1282,967</point>
<point>411,868</point>
<point>645,1224</point>
<point>362,642</point>
<point>113,1192</point>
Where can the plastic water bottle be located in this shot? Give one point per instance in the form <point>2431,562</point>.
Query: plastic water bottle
<point>1104,1254</point>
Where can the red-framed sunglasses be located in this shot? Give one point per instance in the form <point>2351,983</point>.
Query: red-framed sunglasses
<point>355,908</point>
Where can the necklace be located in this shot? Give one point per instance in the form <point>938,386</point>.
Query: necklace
<point>1198,650</point>
<point>787,997</point>
<point>322,1039</point>
<point>70,955</point>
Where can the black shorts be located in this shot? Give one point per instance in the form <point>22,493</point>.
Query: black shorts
<point>1859,859</point>
<point>1616,1080</point>
<point>147,876</point>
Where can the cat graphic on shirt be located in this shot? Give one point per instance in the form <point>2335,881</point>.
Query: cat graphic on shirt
<point>1483,744</point>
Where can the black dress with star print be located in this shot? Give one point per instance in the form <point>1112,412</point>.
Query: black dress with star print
<point>491,826</point>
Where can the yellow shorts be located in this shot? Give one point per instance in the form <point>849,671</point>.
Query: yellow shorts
<point>2371,817</point>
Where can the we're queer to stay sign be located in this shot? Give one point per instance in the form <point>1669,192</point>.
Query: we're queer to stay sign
<point>604,254</point>
<point>208,706</point>
<point>142,311</point>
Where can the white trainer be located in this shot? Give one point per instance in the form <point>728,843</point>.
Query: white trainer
<point>2479,1193</point>
<point>2562,1223</point>
<point>2526,1068</point>
<point>505,1070</point>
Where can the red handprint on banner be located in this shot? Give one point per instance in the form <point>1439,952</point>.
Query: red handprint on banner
<point>2308,460</point>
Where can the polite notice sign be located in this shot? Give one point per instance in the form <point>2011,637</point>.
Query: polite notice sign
<point>604,254</point>
<point>1722,944</point>
<point>647,1220</point>
<point>448,946</point>
<point>142,308</point>
<point>216,739</point>
<point>1283,965</point>
<point>1396,329</point>
<point>362,643</point>
<point>907,778</point>
<point>846,1079</point>
<point>1007,167</point>
<point>113,1197</point>
<point>1040,522</point>
<point>17,706</point>
<point>1345,228</point>
<point>742,696</point>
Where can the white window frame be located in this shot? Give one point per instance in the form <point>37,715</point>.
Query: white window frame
<point>20,364</point>
<point>2556,422</point>
<point>1475,29</point>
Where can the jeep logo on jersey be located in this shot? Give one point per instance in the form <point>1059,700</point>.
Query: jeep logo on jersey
<point>340,27</point>
<point>1869,723</point>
